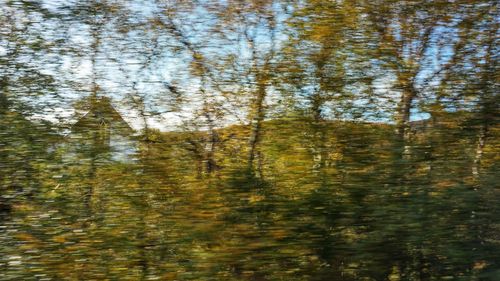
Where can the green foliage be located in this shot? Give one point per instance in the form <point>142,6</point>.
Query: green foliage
<point>289,193</point>
<point>331,199</point>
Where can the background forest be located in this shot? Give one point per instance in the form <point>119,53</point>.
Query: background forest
<point>249,140</point>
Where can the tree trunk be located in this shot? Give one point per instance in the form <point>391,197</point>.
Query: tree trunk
<point>210,156</point>
<point>488,102</point>
<point>91,174</point>
<point>4,102</point>
<point>481,142</point>
<point>258,108</point>
<point>404,113</point>
<point>403,119</point>
<point>316,103</point>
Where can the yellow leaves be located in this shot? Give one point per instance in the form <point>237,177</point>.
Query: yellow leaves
<point>435,107</point>
<point>25,207</point>
<point>197,68</point>
<point>351,14</point>
<point>170,276</point>
<point>278,233</point>
<point>479,265</point>
<point>244,227</point>
<point>255,198</point>
<point>445,184</point>
<point>59,239</point>
<point>197,65</point>
<point>205,215</point>
<point>335,156</point>
<point>351,235</point>
<point>395,274</point>
<point>327,22</point>
<point>156,22</point>
<point>26,237</point>
<point>321,32</point>
<point>198,57</point>
<point>29,242</point>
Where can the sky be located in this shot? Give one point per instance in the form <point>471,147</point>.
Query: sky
<point>131,67</point>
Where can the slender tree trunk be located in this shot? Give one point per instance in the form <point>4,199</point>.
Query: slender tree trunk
<point>319,151</point>
<point>142,112</point>
<point>488,104</point>
<point>146,125</point>
<point>4,102</point>
<point>256,126</point>
<point>481,142</point>
<point>316,103</point>
<point>141,237</point>
<point>404,113</point>
<point>210,145</point>
<point>403,119</point>
<point>95,29</point>
<point>210,158</point>
<point>96,138</point>
<point>198,155</point>
<point>91,176</point>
